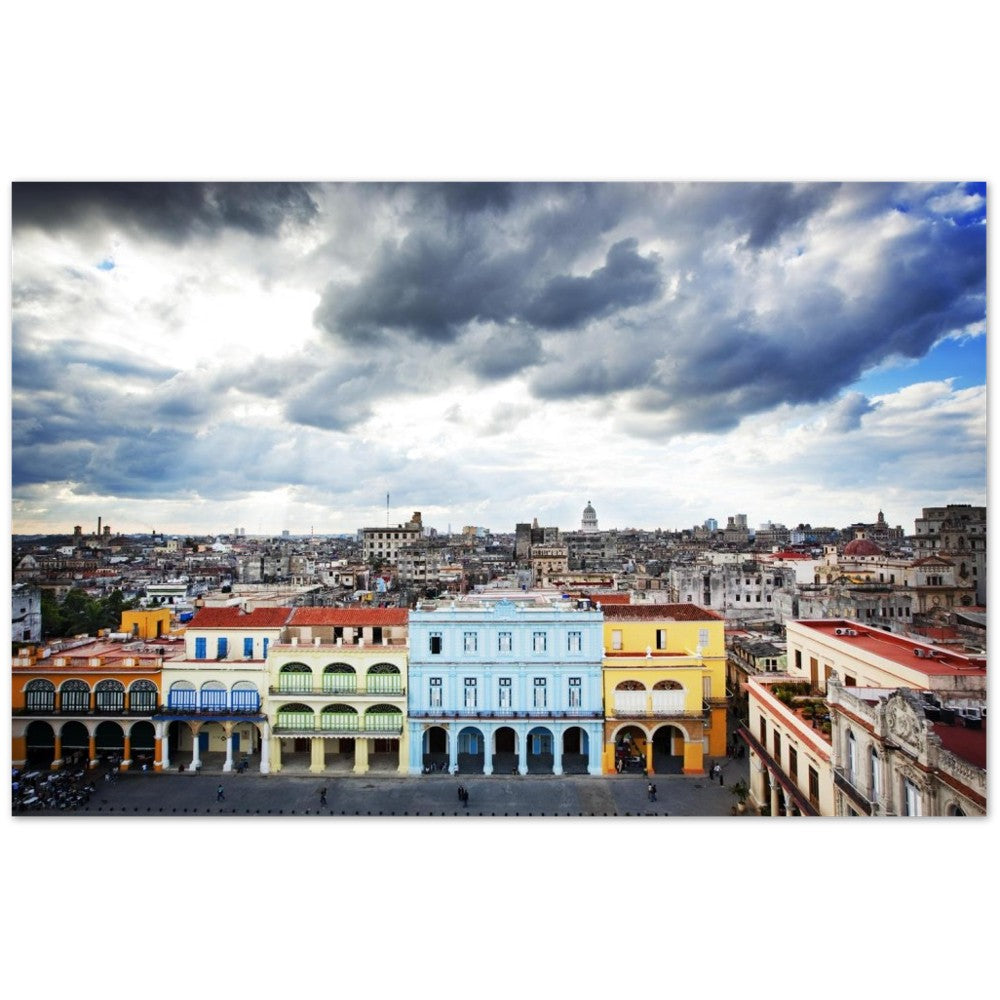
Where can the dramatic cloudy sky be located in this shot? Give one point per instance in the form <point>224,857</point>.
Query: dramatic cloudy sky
<point>193,357</point>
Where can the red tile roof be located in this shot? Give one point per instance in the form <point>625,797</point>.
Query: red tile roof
<point>236,617</point>
<point>350,616</point>
<point>659,612</point>
<point>616,598</point>
<point>969,744</point>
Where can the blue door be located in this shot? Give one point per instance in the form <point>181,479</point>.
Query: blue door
<point>248,646</point>
<point>202,743</point>
<point>236,742</point>
<point>200,648</point>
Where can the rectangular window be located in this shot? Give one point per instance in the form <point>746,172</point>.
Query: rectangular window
<point>661,638</point>
<point>703,637</point>
<point>264,651</point>
<point>434,693</point>
<point>777,746</point>
<point>470,692</point>
<point>471,642</point>
<point>814,787</point>
<point>435,642</point>
<point>575,642</point>
<point>200,648</point>
<point>575,692</point>
<point>793,765</point>
<point>876,777</point>
<point>538,642</point>
<point>798,661</point>
<point>763,730</point>
<point>248,646</point>
<point>541,693</point>
<point>616,638</point>
<point>911,798</point>
<point>504,692</point>
<point>505,644</point>
<point>222,648</point>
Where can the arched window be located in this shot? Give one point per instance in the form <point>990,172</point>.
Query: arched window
<point>110,696</point>
<point>295,677</point>
<point>296,717</point>
<point>40,696</point>
<point>245,697</point>
<point>339,677</point>
<point>74,696</point>
<point>384,719</point>
<point>182,696</point>
<point>142,696</point>
<point>213,696</point>
<point>852,758</point>
<point>875,775</point>
<point>384,678</point>
<point>668,686</point>
<point>342,718</point>
<point>631,686</point>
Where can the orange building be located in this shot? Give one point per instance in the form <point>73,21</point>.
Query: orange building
<point>84,701</point>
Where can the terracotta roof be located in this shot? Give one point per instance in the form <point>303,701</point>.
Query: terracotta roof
<point>969,744</point>
<point>236,617</point>
<point>350,616</point>
<point>616,598</point>
<point>659,612</point>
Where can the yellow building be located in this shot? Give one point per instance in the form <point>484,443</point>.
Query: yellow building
<point>664,672</point>
<point>146,624</point>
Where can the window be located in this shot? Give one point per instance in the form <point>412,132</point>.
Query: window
<point>574,642</point>
<point>541,693</point>
<point>852,759</point>
<point>142,697</point>
<point>471,641</point>
<point>911,798</point>
<point>470,692</point>
<point>434,692</point>
<point>40,696</point>
<point>776,736</point>
<point>264,652</point>
<point>763,730</point>
<point>616,638</point>
<point>575,692</point>
<point>200,648</point>
<point>793,765</point>
<point>814,787</point>
<point>221,648</point>
<point>661,638</point>
<point>538,642</point>
<point>435,642</point>
<point>875,776</point>
<point>109,696</point>
<point>504,692</point>
<point>248,646</point>
<point>505,643</point>
<point>798,660</point>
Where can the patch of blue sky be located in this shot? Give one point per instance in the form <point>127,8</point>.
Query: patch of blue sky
<point>960,357</point>
<point>106,265</point>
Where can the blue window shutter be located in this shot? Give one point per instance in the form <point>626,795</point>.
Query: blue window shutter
<point>200,649</point>
<point>266,641</point>
<point>223,646</point>
<point>248,646</point>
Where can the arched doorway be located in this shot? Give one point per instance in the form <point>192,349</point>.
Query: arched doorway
<point>75,744</point>
<point>338,751</point>
<point>505,754</point>
<point>383,751</point>
<point>540,751</point>
<point>109,741</point>
<point>435,749</point>
<point>339,678</point>
<point>668,750</point>
<point>471,750</point>
<point>630,750</point>
<point>40,744</point>
<point>575,750</point>
<point>143,745</point>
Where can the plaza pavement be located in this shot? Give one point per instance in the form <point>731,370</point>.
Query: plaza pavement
<point>252,794</point>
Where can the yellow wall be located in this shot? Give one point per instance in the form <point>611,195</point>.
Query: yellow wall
<point>147,622</point>
<point>680,662</point>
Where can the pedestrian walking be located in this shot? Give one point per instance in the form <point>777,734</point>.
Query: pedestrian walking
<point>721,779</point>
<point>220,795</point>
<point>649,791</point>
<point>322,796</point>
<point>461,794</point>
<point>465,798</point>
<point>652,795</point>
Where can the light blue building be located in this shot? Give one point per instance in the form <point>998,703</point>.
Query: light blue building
<point>506,687</point>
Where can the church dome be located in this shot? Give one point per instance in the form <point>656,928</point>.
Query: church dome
<point>862,547</point>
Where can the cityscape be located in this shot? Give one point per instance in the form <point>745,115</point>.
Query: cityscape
<point>826,671</point>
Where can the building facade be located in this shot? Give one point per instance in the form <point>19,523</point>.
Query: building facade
<point>664,679</point>
<point>502,687</point>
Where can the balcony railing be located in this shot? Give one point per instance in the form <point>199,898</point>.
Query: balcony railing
<point>842,780</point>
<point>505,713</point>
<point>361,690</point>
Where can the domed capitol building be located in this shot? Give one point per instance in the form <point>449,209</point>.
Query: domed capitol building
<point>589,521</point>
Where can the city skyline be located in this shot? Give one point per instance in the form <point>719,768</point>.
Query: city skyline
<point>196,357</point>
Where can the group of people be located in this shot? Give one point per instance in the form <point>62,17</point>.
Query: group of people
<point>37,790</point>
<point>735,748</point>
<point>463,796</point>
